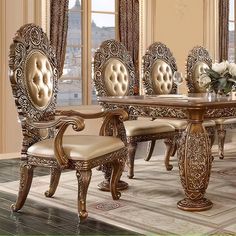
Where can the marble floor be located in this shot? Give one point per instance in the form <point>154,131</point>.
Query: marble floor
<point>148,207</point>
<point>40,219</point>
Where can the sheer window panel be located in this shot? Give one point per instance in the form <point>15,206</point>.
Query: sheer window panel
<point>70,84</point>
<point>231,48</point>
<point>103,5</point>
<point>89,23</point>
<point>102,28</point>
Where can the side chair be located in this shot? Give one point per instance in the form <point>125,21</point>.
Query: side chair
<point>114,75</point>
<point>34,80</point>
<point>198,59</point>
<point>159,65</point>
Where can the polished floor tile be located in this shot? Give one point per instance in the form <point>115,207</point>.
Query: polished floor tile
<point>40,219</point>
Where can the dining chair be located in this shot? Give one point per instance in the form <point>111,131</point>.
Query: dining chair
<point>114,75</point>
<point>198,59</point>
<point>158,66</point>
<point>34,80</point>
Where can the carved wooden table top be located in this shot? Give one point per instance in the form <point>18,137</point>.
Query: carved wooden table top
<point>194,149</point>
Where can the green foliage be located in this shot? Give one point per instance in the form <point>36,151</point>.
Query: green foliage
<point>220,83</point>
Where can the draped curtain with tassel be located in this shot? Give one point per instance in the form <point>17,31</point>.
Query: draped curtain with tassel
<point>129,32</point>
<point>223,29</point>
<point>58,30</point>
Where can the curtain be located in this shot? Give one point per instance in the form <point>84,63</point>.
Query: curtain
<point>223,29</point>
<point>129,32</point>
<point>58,30</point>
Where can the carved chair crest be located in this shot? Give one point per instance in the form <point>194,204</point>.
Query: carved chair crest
<point>158,68</point>
<point>198,59</point>
<point>33,77</point>
<point>114,73</point>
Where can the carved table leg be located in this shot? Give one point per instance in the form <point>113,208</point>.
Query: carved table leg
<point>107,169</point>
<point>195,160</point>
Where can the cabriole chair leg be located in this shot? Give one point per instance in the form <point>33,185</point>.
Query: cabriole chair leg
<point>55,177</point>
<point>130,161</point>
<point>170,146</point>
<point>83,177</point>
<point>26,176</point>
<point>150,149</point>
<point>221,132</point>
<point>117,169</point>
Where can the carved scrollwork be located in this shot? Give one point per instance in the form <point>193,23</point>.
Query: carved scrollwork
<point>30,38</point>
<point>101,160</point>
<point>149,111</point>
<point>194,163</point>
<point>112,49</point>
<point>197,55</point>
<point>157,112</point>
<point>157,51</point>
<point>225,112</point>
<point>44,162</point>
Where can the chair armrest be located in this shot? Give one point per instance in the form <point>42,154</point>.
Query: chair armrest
<point>101,114</point>
<point>112,121</point>
<point>60,124</point>
<point>78,122</point>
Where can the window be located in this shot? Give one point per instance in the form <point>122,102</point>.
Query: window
<point>90,22</point>
<point>232,38</point>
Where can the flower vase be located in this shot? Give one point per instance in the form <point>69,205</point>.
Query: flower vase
<point>233,95</point>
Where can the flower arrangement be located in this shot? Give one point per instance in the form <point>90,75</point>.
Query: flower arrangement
<point>221,78</point>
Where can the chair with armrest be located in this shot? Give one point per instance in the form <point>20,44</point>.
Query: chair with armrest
<point>158,67</point>
<point>34,78</point>
<point>114,76</point>
<point>199,59</point>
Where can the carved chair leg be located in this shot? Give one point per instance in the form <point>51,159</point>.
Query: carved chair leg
<point>174,149</point>
<point>170,146</point>
<point>150,149</point>
<point>130,160</point>
<point>221,139</point>
<point>55,176</point>
<point>26,176</point>
<point>83,177</point>
<point>117,169</point>
<point>212,138</point>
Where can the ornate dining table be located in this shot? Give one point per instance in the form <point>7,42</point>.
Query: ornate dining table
<point>194,149</point>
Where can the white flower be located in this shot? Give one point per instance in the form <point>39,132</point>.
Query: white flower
<point>232,69</point>
<point>204,79</point>
<point>220,67</point>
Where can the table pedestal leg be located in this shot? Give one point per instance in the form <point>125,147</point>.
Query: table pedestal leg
<point>195,160</point>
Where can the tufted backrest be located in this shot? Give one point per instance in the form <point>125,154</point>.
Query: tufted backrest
<point>38,78</point>
<point>33,73</point>
<point>159,66</point>
<point>198,60</point>
<point>33,77</point>
<point>113,70</point>
<point>116,77</point>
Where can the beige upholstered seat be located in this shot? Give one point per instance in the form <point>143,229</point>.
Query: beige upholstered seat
<point>114,76</point>
<point>78,147</point>
<point>199,59</point>
<point>145,127</point>
<point>159,66</point>
<point>34,78</point>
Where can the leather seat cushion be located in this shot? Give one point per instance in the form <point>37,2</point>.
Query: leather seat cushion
<point>78,147</point>
<point>208,123</point>
<point>178,124</point>
<point>226,121</point>
<point>146,127</point>
<point>181,124</point>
